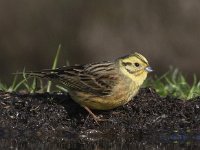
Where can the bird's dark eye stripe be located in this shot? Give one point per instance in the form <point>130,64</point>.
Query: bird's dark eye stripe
<point>126,63</point>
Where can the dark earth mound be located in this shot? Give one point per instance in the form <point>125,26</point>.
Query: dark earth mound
<point>55,117</point>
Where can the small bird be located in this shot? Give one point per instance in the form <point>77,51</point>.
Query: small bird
<point>104,85</point>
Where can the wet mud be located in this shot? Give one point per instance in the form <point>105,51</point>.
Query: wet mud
<point>57,118</point>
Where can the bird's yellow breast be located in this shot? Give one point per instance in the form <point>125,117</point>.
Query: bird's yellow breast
<point>120,95</point>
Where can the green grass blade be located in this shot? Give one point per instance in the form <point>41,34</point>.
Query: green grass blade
<point>54,66</point>
<point>12,87</point>
<point>33,86</point>
<point>62,88</point>
<point>3,87</point>
<point>191,92</point>
<point>19,84</point>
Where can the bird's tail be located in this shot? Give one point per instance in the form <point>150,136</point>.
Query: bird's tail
<point>38,74</point>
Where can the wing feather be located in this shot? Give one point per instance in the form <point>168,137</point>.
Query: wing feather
<point>97,78</point>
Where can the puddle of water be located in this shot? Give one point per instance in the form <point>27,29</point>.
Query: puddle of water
<point>92,139</point>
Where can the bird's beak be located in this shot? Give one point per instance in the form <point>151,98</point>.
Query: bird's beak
<point>149,69</point>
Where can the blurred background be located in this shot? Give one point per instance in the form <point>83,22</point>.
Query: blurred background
<point>166,32</point>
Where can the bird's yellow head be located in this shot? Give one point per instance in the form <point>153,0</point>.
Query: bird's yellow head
<point>134,66</point>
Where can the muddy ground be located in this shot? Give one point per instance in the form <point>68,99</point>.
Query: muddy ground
<point>57,117</point>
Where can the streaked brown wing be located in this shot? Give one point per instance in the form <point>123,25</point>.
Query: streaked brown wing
<point>98,78</point>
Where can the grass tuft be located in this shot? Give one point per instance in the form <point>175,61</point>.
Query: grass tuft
<point>174,83</point>
<point>15,84</point>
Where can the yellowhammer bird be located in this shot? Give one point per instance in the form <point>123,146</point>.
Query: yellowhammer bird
<point>104,85</point>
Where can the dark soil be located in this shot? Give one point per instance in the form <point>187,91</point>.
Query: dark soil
<point>56,117</point>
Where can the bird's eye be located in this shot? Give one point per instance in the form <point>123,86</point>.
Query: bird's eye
<point>136,64</point>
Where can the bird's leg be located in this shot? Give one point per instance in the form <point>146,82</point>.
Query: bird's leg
<point>96,119</point>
